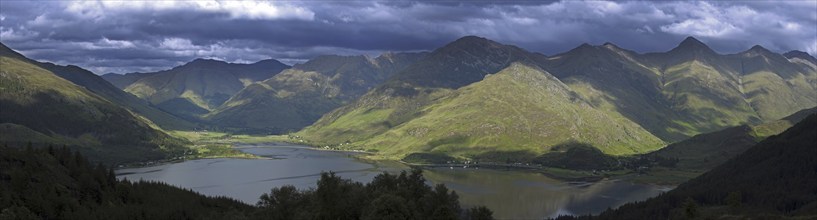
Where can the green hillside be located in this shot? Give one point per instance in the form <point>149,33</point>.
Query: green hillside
<point>297,97</point>
<point>40,107</point>
<point>774,85</point>
<point>612,79</point>
<point>404,95</point>
<point>673,95</point>
<point>705,151</point>
<point>519,110</point>
<point>774,179</point>
<point>689,89</point>
<point>99,86</point>
<point>196,88</point>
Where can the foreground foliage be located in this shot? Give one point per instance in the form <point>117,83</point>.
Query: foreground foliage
<point>51,183</point>
<point>404,196</point>
<point>58,184</point>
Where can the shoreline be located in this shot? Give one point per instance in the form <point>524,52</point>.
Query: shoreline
<point>560,174</point>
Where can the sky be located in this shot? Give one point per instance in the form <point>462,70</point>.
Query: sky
<point>142,36</point>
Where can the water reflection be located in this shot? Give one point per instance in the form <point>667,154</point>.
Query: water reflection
<point>511,194</point>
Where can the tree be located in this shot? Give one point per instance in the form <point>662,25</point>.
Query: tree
<point>479,213</point>
<point>387,207</point>
<point>690,208</point>
<point>440,204</point>
<point>734,200</point>
<point>281,203</point>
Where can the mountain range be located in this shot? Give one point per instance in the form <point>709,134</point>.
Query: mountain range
<point>197,87</point>
<point>472,98</point>
<point>297,97</point>
<point>475,96</point>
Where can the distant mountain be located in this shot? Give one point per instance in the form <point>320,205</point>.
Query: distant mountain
<point>518,109</point>
<point>615,79</point>
<point>796,54</point>
<point>40,107</point>
<point>772,180</point>
<point>199,86</point>
<point>689,89</point>
<point>462,62</point>
<point>297,97</point>
<point>122,81</point>
<point>99,86</point>
<point>673,95</point>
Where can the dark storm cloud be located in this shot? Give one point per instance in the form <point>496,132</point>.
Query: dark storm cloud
<point>127,36</point>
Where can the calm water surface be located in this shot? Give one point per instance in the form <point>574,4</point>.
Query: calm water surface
<point>510,194</point>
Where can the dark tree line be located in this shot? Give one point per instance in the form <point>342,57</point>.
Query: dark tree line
<point>403,196</point>
<point>57,183</point>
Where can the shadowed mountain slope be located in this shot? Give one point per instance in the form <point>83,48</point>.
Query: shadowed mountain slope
<point>99,86</point>
<point>200,86</point>
<point>297,97</point>
<point>40,107</point>
<point>673,95</point>
<point>774,179</point>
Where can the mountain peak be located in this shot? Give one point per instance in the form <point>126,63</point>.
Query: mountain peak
<point>611,46</point>
<point>758,48</point>
<point>582,49</point>
<point>203,63</point>
<point>268,62</point>
<point>800,54</point>
<point>473,41</point>
<point>206,60</point>
<point>691,42</point>
<point>692,47</point>
<point>471,38</point>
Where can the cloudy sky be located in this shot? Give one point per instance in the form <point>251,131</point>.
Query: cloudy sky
<point>128,36</point>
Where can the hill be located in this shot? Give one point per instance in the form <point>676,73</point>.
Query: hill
<point>122,81</point>
<point>774,179</point>
<point>519,110</point>
<point>706,151</point>
<point>297,97</point>
<point>196,88</point>
<point>40,107</point>
<point>672,95</point>
<point>690,89</point>
<point>99,86</point>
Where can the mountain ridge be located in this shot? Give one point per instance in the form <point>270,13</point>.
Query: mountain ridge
<point>197,87</point>
<point>100,86</point>
<point>298,96</point>
<point>688,90</point>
